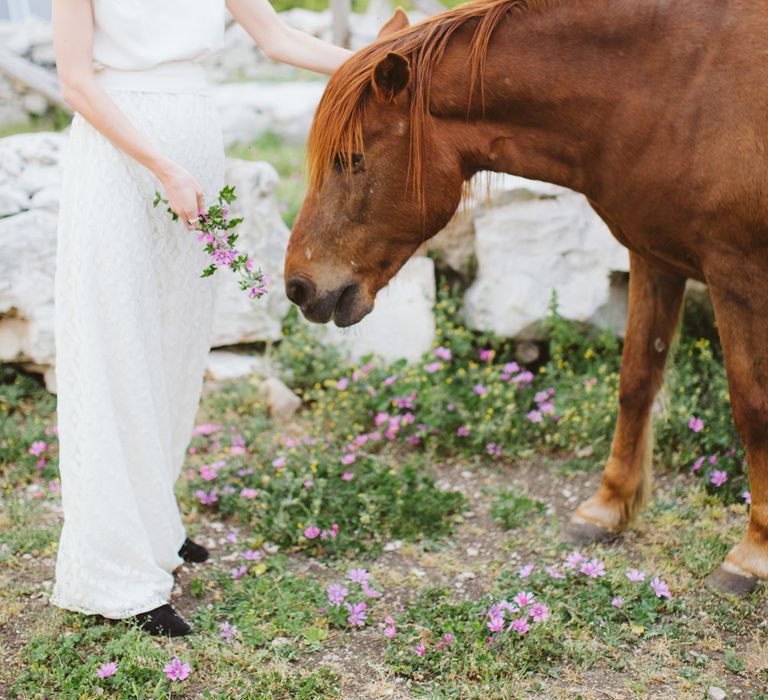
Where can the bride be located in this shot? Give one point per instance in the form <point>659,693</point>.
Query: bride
<point>133,316</point>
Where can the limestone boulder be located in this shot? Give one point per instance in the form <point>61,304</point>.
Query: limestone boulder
<point>541,239</point>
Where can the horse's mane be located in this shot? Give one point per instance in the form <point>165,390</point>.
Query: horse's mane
<point>337,126</point>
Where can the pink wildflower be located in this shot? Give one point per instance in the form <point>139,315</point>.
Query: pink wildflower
<point>252,555</point>
<point>593,568</point>
<point>308,484</point>
<point>279,463</point>
<point>617,602</point>
<point>539,612</point>
<point>520,625</point>
<point>177,671</point>
<point>357,614</point>
<point>486,355</point>
<point>697,464</point>
<point>347,476</point>
<point>442,353</point>
<point>420,650</point>
<point>534,416</point>
<point>573,560</point>
<point>227,631</point>
<point>448,637</point>
<point>107,669</point>
<point>238,572</point>
<point>336,593</point>
<point>493,449</point>
<point>206,429</point>
<point>696,424</point>
<point>248,494</point>
<point>360,576</point>
<point>462,431</point>
<point>480,390</point>
<point>433,367</point>
<point>311,532</point>
<point>390,631</point>
<point>38,447</point>
<point>497,623</point>
<point>747,496</point>
<point>370,592</point>
<point>660,588</point>
<point>718,477</point>
<point>342,384</point>
<point>348,458</point>
<point>525,571</point>
<point>635,575</point>
<point>523,599</point>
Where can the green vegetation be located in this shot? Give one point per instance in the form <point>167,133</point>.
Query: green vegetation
<point>407,503</point>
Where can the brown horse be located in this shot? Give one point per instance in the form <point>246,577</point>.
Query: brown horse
<point>657,110</point>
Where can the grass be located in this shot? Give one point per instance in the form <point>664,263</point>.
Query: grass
<point>372,475</point>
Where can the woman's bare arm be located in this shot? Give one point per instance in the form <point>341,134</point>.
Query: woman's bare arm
<point>283,43</point>
<point>73,43</point>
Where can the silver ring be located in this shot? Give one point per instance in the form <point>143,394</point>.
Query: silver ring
<point>191,221</point>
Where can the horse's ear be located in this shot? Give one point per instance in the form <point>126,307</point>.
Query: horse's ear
<point>391,76</point>
<point>395,23</point>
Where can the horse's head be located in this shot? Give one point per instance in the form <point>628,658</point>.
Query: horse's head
<point>365,212</point>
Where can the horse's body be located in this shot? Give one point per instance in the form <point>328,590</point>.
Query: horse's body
<point>657,110</point>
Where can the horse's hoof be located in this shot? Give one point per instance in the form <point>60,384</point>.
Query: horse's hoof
<point>582,532</point>
<point>725,580</point>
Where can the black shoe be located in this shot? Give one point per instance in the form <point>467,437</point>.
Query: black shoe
<point>190,551</point>
<point>163,621</point>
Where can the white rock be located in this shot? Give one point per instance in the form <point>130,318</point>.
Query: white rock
<point>402,323</point>
<point>28,242</point>
<point>226,366</point>
<point>532,245</point>
<point>35,103</point>
<point>264,236</point>
<point>47,198</point>
<point>715,693</point>
<point>247,110</point>
<point>281,401</point>
<point>12,201</point>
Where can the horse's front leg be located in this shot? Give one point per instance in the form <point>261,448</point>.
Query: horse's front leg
<point>655,299</point>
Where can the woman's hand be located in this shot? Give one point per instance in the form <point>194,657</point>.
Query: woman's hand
<point>184,194</point>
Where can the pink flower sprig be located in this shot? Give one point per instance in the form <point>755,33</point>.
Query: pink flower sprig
<point>216,230</point>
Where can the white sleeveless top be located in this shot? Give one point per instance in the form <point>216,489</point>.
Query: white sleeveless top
<point>157,36</point>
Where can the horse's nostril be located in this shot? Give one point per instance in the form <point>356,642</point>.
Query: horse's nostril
<point>299,289</point>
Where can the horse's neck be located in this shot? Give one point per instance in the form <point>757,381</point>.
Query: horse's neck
<point>555,82</point>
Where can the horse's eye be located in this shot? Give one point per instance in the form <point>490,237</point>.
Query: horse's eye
<point>341,163</point>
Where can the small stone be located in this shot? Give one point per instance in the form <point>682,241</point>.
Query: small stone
<point>282,402</point>
<point>419,572</point>
<point>466,575</point>
<point>393,546</point>
<point>472,551</point>
<point>280,641</point>
<point>715,693</point>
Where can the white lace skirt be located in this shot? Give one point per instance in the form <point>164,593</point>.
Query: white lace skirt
<point>133,322</point>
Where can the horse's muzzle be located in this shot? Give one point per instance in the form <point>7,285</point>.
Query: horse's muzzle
<point>343,304</point>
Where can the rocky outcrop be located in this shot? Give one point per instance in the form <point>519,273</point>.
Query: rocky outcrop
<point>530,239</point>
